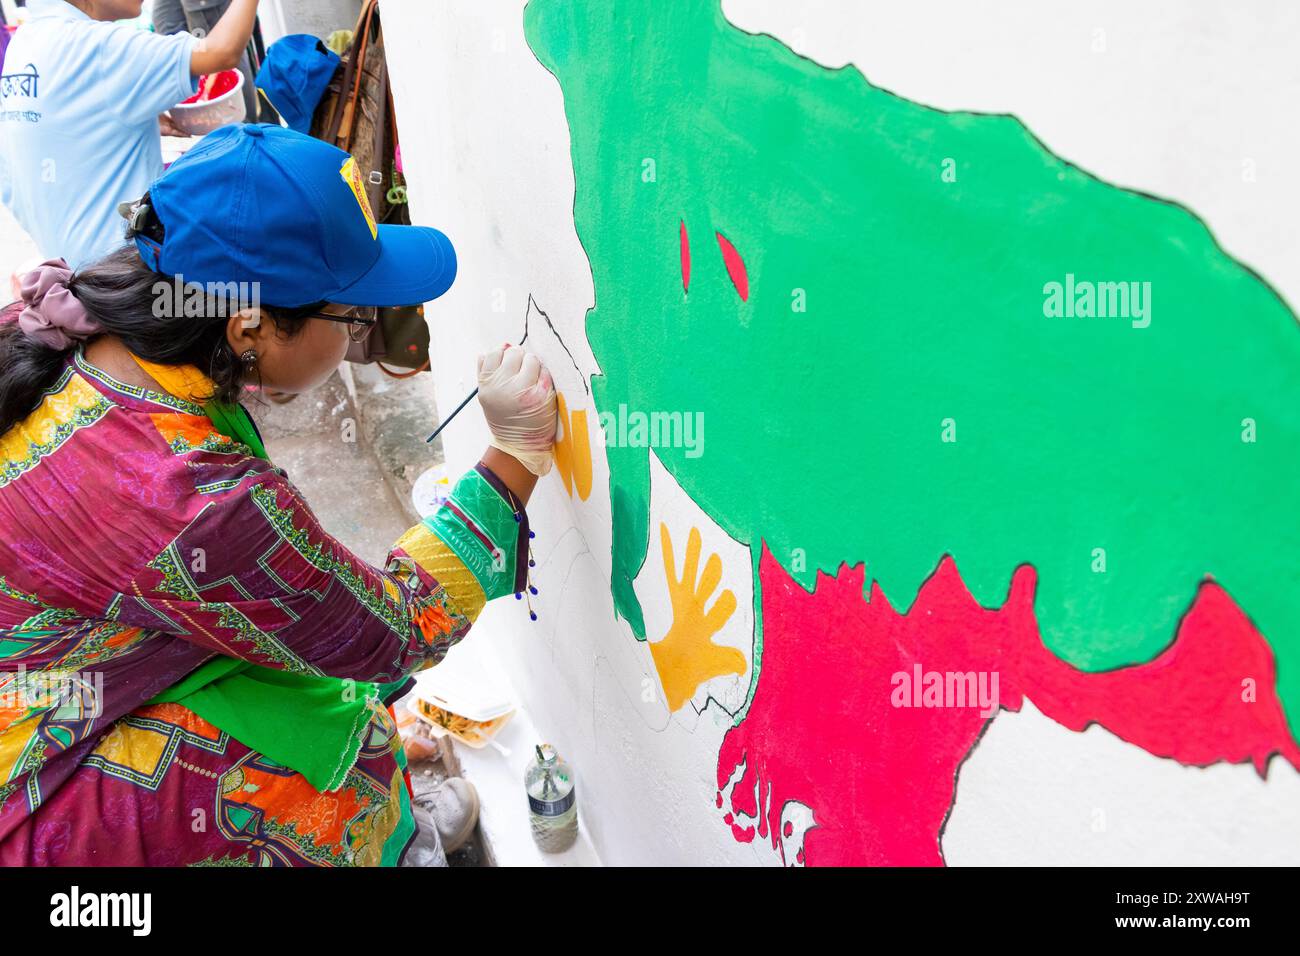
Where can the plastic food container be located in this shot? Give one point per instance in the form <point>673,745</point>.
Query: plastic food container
<point>219,102</point>
<point>456,700</point>
<point>472,732</point>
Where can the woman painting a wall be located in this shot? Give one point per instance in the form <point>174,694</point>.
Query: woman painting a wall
<point>194,671</point>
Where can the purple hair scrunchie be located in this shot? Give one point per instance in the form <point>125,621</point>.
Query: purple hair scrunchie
<point>52,315</point>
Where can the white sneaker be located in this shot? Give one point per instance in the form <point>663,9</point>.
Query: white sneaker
<point>454,806</point>
<point>425,849</point>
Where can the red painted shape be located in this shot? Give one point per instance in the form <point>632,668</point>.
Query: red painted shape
<point>880,779</point>
<point>735,266</point>
<point>686,258</point>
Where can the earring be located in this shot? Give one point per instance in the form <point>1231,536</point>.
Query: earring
<point>249,357</point>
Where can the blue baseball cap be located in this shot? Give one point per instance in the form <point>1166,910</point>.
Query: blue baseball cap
<point>261,203</point>
<point>294,76</point>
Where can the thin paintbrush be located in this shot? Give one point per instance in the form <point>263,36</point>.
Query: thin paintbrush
<point>447,421</point>
<point>468,398</point>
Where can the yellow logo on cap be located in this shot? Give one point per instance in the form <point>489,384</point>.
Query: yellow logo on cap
<point>352,176</point>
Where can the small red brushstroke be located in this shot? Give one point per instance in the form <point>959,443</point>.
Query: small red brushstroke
<point>855,747</point>
<point>686,258</point>
<point>735,266</point>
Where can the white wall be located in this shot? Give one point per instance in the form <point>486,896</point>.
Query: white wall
<point>1194,101</point>
<point>317,17</point>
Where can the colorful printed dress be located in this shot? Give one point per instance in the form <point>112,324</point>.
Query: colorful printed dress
<point>137,542</point>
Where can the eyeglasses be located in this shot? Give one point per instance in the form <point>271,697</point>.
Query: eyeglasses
<point>359,319</point>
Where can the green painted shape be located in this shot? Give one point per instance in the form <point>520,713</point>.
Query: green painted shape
<point>925,301</point>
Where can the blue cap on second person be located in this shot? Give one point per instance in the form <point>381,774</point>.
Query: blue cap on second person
<point>294,76</point>
<point>261,203</point>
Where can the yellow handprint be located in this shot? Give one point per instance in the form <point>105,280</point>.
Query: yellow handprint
<point>686,657</point>
<point>573,450</point>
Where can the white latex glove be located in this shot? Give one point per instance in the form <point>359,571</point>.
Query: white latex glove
<point>517,396</point>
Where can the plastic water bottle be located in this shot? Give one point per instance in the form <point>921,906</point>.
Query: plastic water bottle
<point>552,804</point>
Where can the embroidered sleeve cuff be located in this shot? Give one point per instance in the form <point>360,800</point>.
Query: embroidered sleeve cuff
<point>485,529</point>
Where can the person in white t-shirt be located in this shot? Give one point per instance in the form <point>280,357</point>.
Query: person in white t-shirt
<point>80,100</point>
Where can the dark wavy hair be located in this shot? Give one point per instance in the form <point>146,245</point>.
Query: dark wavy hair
<point>120,293</point>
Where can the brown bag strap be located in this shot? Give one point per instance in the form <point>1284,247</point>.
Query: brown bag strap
<point>383,156</point>
<point>350,108</point>
<point>339,129</point>
<point>331,131</point>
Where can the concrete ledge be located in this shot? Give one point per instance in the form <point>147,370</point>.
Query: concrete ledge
<point>506,836</point>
